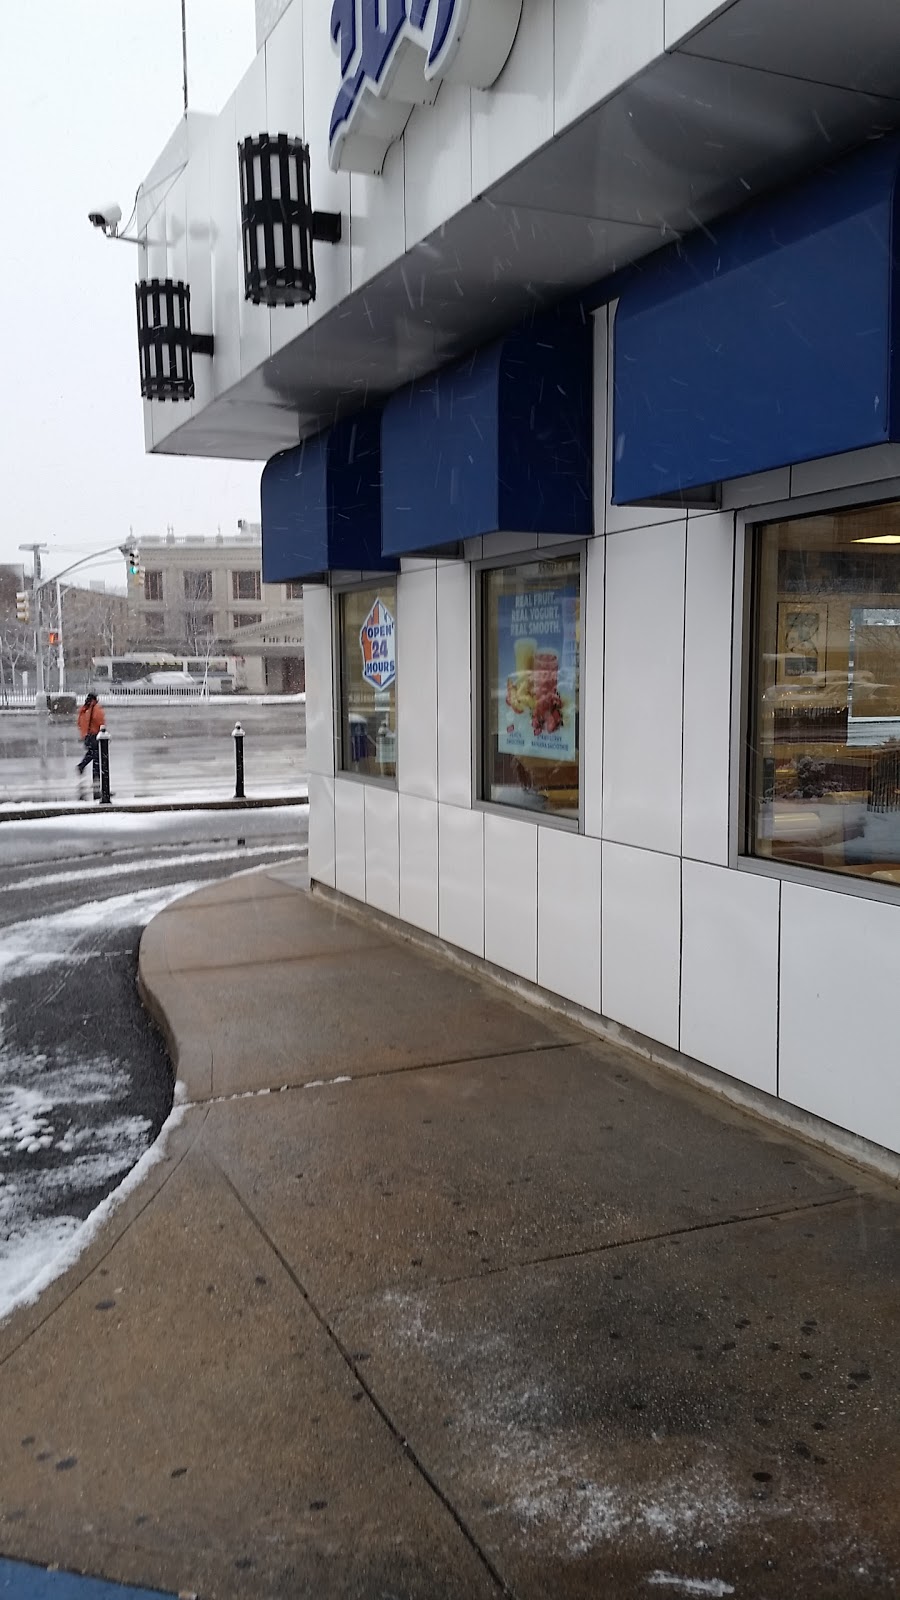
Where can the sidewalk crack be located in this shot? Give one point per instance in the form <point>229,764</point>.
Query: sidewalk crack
<point>358,1377</point>
<point>635,1241</point>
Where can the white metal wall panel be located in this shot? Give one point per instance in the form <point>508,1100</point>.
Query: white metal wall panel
<point>592,687</point>
<point>510,894</point>
<point>417,706</point>
<point>320,710</point>
<point>838,1046</point>
<point>643,680</point>
<point>454,683</point>
<point>419,862</point>
<point>569,887</point>
<point>350,837</point>
<point>251,117</point>
<point>708,643</point>
<point>321,829</point>
<point>515,117</point>
<point>461,878</point>
<point>729,978</point>
<point>632,32</point>
<point>226,254</point>
<point>382,849</point>
<point>640,941</point>
<point>330,190</point>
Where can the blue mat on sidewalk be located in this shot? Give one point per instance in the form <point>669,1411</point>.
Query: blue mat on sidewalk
<point>36,1583</point>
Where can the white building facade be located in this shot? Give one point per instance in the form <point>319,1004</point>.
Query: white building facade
<point>587,454</point>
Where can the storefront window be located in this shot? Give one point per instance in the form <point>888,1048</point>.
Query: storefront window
<point>824,769</point>
<point>531,685</point>
<point>368,661</point>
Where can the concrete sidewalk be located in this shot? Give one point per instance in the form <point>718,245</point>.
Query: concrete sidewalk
<point>437,1296</point>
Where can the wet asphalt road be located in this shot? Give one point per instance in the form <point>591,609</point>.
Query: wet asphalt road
<point>85,1083</point>
<point>158,751</point>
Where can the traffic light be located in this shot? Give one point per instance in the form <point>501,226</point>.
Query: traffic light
<point>53,637</point>
<point>23,605</point>
<point>135,570</point>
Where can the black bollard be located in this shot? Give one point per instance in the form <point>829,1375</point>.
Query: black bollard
<point>103,747</point>
<point>238,737</point>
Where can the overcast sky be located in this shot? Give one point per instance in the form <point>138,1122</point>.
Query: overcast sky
<point>90,91</point>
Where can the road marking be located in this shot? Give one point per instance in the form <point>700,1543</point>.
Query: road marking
<point>49,880</point>
<point>37,1583</point>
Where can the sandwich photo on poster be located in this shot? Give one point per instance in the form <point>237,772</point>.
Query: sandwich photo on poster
<point>537,664</point>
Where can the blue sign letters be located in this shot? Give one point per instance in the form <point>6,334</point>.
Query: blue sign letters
<point>368,33</point>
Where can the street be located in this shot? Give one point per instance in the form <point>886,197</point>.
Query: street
<point>158,751</point>
<point>85,1083</point>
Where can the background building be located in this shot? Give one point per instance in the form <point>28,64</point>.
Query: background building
<point>93,621</point>
<point>80,623</point>
<point>205,596</point>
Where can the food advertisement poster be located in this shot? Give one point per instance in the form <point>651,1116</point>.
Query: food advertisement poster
<point>537,634</point>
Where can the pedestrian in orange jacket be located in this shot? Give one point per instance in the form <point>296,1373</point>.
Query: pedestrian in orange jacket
<point>91,719</point>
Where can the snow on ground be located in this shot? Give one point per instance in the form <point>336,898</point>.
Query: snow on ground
<point>73,835</point>
<point>38,1100</point>
<point>41,942</point>
<point>34,1257</point>
<point>558,1484</point>
<point>716,1588</point>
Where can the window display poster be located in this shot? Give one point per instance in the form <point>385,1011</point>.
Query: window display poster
<point>376,641</point>
<point>537,661</point>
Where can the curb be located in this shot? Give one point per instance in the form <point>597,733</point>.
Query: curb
<point>42,814</point>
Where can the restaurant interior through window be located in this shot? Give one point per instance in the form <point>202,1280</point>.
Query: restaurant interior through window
<point>824,767</point>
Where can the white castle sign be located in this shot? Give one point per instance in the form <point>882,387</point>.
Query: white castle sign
<point>395,54</point>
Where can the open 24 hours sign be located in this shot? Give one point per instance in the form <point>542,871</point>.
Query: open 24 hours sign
<point>377,640</point>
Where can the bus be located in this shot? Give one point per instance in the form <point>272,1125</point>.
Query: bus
<point>146,669</point>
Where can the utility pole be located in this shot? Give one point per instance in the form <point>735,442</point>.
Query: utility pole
<point>38,585</point>
<point>60,656</point>
<point>184,53</point>
<point>40,699</point>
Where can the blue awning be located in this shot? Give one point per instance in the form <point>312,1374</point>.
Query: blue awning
<point>763,341</point>
<point>321,505</point>
<point>502,440</point>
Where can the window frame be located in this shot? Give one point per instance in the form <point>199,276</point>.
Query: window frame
<point>192,595</point>
<point>245,572</point>
<point>152,574</point>
<point>744,671</point>
<point>339,588</point>
<point>524,555</point>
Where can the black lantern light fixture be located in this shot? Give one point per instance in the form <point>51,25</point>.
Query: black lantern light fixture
<point>278,223</point>
<point>166,344</point>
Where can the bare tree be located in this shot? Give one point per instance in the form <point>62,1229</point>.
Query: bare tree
<point>16,638</point>
<point>195,621</point>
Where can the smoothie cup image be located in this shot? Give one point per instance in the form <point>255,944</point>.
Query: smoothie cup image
<point>521,687</point>
<point>525,651</point>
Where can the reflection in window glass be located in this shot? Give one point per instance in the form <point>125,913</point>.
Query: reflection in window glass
<point>824,767</point>
<point>368,638</point>
<point>532,665</point>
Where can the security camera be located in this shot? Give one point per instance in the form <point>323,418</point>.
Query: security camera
<point>106,217</point>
